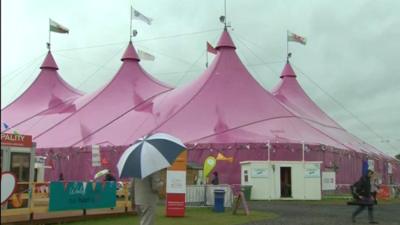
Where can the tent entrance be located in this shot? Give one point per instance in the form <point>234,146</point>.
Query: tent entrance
<point>286,182</point>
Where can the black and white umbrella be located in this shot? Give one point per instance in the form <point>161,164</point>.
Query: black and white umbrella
<point>148,155</point>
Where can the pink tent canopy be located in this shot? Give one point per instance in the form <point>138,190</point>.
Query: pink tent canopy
<point>225,110</point>
<point>48,92</point>
<point>291,94</point>
<point>129,88</point>
<point>224,105</point>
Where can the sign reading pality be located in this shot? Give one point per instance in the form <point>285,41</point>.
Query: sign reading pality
<point>328,181</point>
<point>82,195</point>
<point>312,171</point>
<point>16,140</point>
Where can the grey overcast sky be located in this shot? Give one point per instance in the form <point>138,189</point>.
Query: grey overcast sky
<point>352,50</point>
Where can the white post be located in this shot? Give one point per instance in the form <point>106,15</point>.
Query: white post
<point>270,168</point>
<point>49,43</point>
<point>287,46</point>
<point>304,170</point>
<point>130,27</point>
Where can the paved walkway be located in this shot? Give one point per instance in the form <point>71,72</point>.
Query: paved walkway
<point>323,213</point>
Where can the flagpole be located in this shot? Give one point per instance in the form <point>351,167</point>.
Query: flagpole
<point>287,46</point>
<point>206,56</point>
<point>130,27</point>
<point>225,12</point>
<point>269,151</point>
<point>49,44</point>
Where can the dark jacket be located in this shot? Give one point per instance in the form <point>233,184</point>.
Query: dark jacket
<point>110,177</point>
<point>362,188</point>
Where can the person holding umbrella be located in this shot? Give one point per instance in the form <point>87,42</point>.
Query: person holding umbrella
<point>143,161</point>
<point>146,193</point>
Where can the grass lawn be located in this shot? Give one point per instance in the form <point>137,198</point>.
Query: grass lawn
<point>193,216</point>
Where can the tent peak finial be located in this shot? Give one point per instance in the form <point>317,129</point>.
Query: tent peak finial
<point>225,41</point>
<point>49,62</point>
<point>288,70</point>
<point>130,53</point>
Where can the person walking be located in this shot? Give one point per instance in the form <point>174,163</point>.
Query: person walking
<point>146,193</point>
<point>361,190</point>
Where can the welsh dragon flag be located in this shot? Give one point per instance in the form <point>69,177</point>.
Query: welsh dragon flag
<point>296,38</point>
<point>58,28</point>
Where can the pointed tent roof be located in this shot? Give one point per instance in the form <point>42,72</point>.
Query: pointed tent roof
<point>47,91</point>
<point>224,105</point>
<point>49,62</point>
<point>129,88</point>
<point>291,94</point>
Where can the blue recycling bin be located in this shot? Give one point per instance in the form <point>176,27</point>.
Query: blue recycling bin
<point>219,199</point>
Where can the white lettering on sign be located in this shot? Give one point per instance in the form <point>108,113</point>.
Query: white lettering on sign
<point>10,137</point>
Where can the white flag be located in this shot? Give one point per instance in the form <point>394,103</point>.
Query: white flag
<point>56,27</point>
<point>145,56</point>
<point>138,16</point>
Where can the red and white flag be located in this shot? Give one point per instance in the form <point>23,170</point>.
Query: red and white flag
<point>296,38</point>
<point>211,49</point>
<point>56,27</point>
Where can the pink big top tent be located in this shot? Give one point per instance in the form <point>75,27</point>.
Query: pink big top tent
<point>224,105</point>
<point>225,110</point>
<point>48,91</point>
<point>129,88</point>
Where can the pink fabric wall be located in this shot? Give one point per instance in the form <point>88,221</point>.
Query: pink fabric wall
<point>78,166</point>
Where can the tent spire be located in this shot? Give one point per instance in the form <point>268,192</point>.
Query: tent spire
<point>130,53</point>
<point>49,62</point>
<point>225,40</point>
<point>288,71</point>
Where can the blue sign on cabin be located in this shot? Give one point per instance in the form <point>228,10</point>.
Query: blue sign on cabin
<point>82,195</point>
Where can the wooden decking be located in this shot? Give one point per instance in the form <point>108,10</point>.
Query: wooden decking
<point>37,212</point>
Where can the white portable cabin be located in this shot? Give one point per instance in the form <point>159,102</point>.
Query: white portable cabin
<point>289,180</point>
